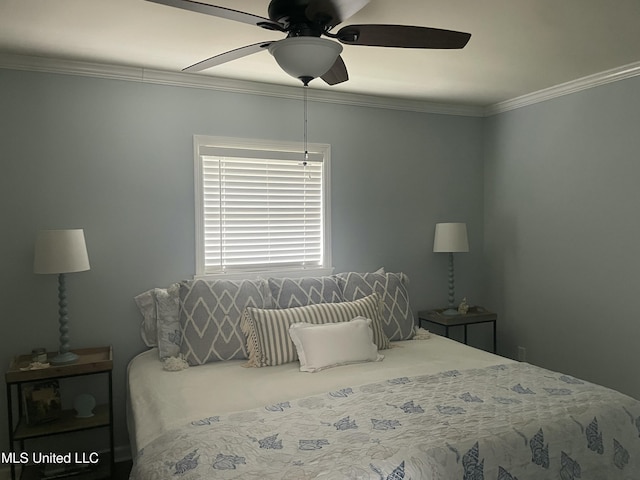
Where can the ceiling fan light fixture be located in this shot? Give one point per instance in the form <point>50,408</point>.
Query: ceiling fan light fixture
<point>305,57</point>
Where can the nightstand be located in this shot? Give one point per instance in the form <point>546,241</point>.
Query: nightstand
<point>91,361</point>
<point>474,315</point>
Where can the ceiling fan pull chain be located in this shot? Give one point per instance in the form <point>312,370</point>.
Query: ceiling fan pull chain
<point>306,151</point>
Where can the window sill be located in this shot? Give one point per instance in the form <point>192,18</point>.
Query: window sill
<point>294,273</point>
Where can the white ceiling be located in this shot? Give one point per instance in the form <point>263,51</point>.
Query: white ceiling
<point>517,47</point>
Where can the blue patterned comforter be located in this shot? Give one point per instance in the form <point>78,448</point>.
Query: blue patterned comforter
<point>504,422</point>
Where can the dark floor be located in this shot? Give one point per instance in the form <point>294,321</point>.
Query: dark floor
<point>121,471</point>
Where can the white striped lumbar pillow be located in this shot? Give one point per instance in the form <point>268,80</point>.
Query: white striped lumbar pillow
<point>267,330</point>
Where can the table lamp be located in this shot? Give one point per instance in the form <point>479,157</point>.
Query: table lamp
<point>451,238</point>
<point>61,252</point>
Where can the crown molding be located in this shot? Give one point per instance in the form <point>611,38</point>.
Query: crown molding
<point>190,80</point>
<point>584,83</point>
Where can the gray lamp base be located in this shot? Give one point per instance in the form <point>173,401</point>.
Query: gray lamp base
<point>65,355</point>
<point>451,310</point>
<point>64,358</point>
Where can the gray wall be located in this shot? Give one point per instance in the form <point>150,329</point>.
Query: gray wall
<point>562,230</point>
<point>115,158</point>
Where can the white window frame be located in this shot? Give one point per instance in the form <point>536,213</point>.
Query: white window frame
<point>201,142</point>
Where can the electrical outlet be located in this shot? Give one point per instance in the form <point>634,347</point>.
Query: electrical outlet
<point>522,354</point>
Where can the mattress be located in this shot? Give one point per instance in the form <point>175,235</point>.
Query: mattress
<point>160,401</point>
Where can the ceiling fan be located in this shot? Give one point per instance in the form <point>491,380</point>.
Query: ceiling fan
<point>303,54</point>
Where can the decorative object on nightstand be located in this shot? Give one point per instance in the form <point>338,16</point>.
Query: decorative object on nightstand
<point>463,308</point>
<point>84,405</point>
<point>42,402</point>
<point>61,252</point>
<point>451,238</point>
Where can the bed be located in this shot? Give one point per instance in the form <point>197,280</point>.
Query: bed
<point>432,408</point>
<point>481,416</point>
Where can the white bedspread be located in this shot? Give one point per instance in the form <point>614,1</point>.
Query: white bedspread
<point>160,400</point>
<point>499,422</point>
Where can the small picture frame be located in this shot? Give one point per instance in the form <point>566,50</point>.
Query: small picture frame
<point>41,402</point>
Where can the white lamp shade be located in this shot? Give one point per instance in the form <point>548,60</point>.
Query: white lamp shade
<point>304,57</point>
<point>450,238</point>
<point>60,251</point>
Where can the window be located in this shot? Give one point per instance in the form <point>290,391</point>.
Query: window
<point>260,207</point>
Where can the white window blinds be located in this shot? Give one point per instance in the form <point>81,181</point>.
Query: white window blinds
<point>261,209</point>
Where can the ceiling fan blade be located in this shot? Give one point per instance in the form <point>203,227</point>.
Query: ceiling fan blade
<point>222,12</point>
<point>337,73</point>
<point>403,36</point>
<point>333,12</point>
<point>227,57</point>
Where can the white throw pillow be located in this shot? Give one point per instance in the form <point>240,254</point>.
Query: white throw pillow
<point>333,344</point>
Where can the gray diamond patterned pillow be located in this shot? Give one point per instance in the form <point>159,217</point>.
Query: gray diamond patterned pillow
<point>397,316</point>
<point>300,292</point>
<point>210,314</point>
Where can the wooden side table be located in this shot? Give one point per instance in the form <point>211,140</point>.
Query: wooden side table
<point>91,361</point>
<point>474,315</point>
